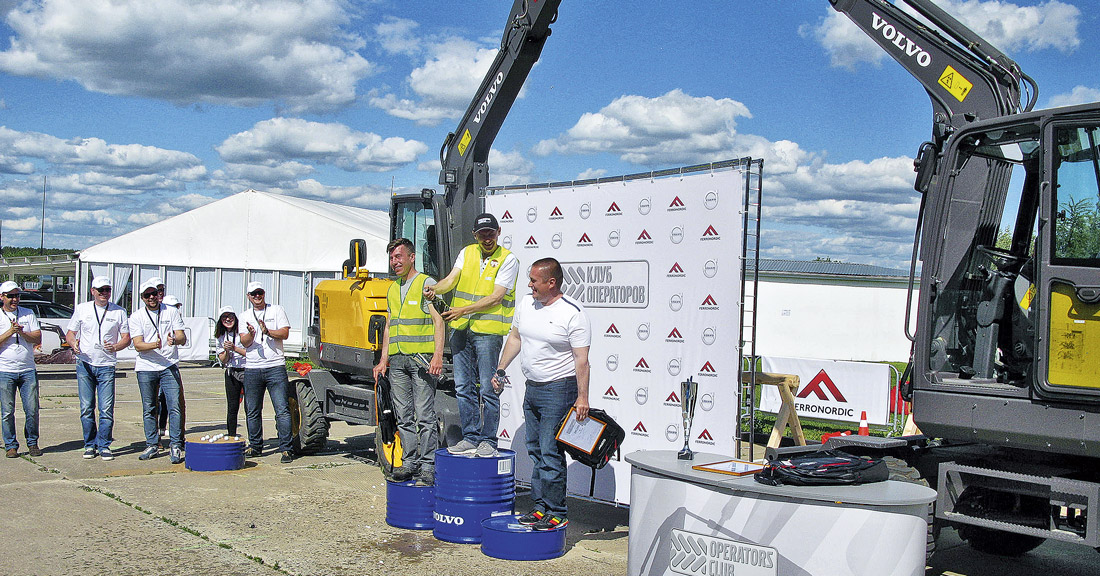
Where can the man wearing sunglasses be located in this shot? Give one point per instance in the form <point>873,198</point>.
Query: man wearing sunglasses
<point>263,327</point>
<point>96,330</point>
<point>157,331</point>
<point>17,373</point>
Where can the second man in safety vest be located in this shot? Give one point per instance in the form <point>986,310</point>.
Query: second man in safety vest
<point>484,281</point>
<point>414,354</point>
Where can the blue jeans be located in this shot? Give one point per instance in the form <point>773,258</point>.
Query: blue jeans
<point>93,382</point>
<point>412,390</point>
<point>544,406</point>
<point>27,383</point>
<point>151,385</point>
<point>275,381</point>
<point>475,361</point>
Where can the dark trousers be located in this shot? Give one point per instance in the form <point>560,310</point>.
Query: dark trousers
<point>234,397</point>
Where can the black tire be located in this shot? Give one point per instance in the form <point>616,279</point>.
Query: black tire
<point>448,421</point>
<point>986,503</point>
<point>901,471</point>
<point>308,427</point>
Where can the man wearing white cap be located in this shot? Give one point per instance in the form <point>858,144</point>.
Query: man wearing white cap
<point>96,330</point>
<point>156,331</point>
<point>17,342</point>
<point>263,327</point>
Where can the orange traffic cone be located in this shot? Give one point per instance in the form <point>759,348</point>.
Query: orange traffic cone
<point>864,430</point>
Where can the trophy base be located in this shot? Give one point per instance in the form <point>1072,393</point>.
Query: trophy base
<point>685,454</point>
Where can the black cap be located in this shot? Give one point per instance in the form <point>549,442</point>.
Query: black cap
<point>486,221</point>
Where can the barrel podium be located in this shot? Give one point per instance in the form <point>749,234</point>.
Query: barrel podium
<point>470,489</point>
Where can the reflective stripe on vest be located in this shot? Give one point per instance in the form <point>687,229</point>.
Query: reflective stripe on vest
<point>411,330</point>
<point>477,285</point>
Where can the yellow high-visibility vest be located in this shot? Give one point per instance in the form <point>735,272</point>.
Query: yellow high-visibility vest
<point>474,284</point>
<point>411,330</point>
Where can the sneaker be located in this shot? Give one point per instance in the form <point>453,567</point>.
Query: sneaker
<point>89,453</point>
<point>106,454</point>
<point>549,522</point>
<point>531,518</point>
<point>425,478</point>
<point>486,450</point>
<point>35,451</point>
<point>464,446</point>
<point>12,453</point>
<point>253,452</point>
<point>150,452</point>
<point>176,454</point>
<point>286,458</point>
<point>402,473</point>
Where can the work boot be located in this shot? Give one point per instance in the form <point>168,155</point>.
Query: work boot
<point>402,473</point>
<point>12,453</point>
<point>35,451</point>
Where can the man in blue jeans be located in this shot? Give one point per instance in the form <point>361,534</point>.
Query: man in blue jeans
<point>157,331</point>
<point>484,282</point>
<point>96,330</point>
<point>263,327</point>
<point>17,342</point>
<point>551,333</point>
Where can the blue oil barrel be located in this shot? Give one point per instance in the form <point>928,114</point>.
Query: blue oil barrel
<point>502,537</point>
<point>469,489</point>
<point>410,506</point>
<point>225,454</point>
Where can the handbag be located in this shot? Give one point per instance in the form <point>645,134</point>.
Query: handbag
<point>824,468</point>
<point>606,445</point>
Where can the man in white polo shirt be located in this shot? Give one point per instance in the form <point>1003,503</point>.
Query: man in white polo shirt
<point>96,330</point>
<point>19,334</point>
<point>156,331</point>
<point>263,327</point>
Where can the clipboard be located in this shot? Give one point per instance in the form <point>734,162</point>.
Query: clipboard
<point>581,435</point>
<point>731,467</point>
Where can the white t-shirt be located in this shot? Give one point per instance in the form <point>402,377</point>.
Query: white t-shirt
<point>234,360</point>
<point>265,351</point>
<point>509,269</point>
<point>16,353</point>
<point>548,335</point>
<point>150,326</point>
<point>92,326</point>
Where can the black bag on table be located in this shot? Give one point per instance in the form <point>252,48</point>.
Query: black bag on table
<point>824,468</point>
<point>606,445</point>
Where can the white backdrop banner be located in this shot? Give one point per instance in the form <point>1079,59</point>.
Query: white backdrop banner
<point>832,389</point>
<point>656,263</point>
<point>197,347</point>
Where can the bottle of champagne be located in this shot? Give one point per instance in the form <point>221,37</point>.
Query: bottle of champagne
<point>440,305</point>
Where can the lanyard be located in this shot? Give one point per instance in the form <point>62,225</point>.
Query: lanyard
<point>13,320</point>
<point>257,318</point>
<point>99,321</point>
<point>156,323</point>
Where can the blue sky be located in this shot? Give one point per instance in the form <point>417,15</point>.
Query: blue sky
<point>135,111</point>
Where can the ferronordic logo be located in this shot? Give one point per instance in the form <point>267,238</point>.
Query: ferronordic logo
<point>814,387</point>
<point>704,437</point>
<point>676,205</point>
<point>614,210</point>
<point>556,214</point>
<point>708,370</point>
<point>531,243</point>
<point>644,238</point>
<point>710,234</point>
<point>612,332</point>
<point>584,241</point>
<point>641,366</point>
<point>610,393</point>
<point>674,336</point>
<point>639,430</point>
<point>676,271</point>
<point>507,217</point>
<point>709,303</point>
<point>673,399</point>
<point>504,434</point>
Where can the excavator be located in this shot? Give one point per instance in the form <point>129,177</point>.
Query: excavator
<point>1004,377</point>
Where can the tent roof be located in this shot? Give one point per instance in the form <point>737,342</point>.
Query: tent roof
<point>256,231</point>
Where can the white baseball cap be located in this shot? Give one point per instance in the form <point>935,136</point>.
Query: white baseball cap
<point>253,286</point>
<point>100,282</point>
<point>156,280</point>
<point>170,300</point>
<point>8,287</point>
<point>150,283</point>
<point>223,311</point>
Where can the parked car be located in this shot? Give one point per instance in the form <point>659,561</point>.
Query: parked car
<point>53,317</point>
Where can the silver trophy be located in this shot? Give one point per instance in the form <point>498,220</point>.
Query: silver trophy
<point>688,394</point>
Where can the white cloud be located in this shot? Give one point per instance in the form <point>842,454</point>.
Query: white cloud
<point>279,143</point>
<point>294,53</point>
<point>1008,26</point>
<point>1079,95</point>
<point>396,36</point>
<point>592,173</point>
<point>442,87</point>
<point>509,168</point>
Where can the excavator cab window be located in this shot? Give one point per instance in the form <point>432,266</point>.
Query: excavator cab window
<point>413,218</point>
<point>1077,197</point>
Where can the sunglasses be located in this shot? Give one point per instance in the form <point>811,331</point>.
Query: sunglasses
<point>13,295</point>
<point>103,290</point>
<point>149,295</point>
<point>256,293</point>
<point>228,319</point>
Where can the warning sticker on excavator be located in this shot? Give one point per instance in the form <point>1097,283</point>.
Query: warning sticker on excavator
<point>463,143</point>
<point>955,84</point>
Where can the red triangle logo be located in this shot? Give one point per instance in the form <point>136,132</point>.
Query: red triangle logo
<point>814,387</point>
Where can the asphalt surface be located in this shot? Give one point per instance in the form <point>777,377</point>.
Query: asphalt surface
<point>323,514</point>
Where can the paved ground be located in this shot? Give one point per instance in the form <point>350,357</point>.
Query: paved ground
<point>322,515</point>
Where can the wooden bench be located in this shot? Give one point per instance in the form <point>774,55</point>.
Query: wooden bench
<point>787,384</point>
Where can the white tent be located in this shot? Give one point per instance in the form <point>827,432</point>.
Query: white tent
<point>207,255</point>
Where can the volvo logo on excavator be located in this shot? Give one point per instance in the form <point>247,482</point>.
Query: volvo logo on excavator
<point>895,37</point>
<point>489,96</point>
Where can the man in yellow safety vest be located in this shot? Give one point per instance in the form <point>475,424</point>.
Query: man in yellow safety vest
<point>415,329</point>
<point>484,281</point>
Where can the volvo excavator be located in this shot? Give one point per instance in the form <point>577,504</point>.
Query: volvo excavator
<point>1004,377</point>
